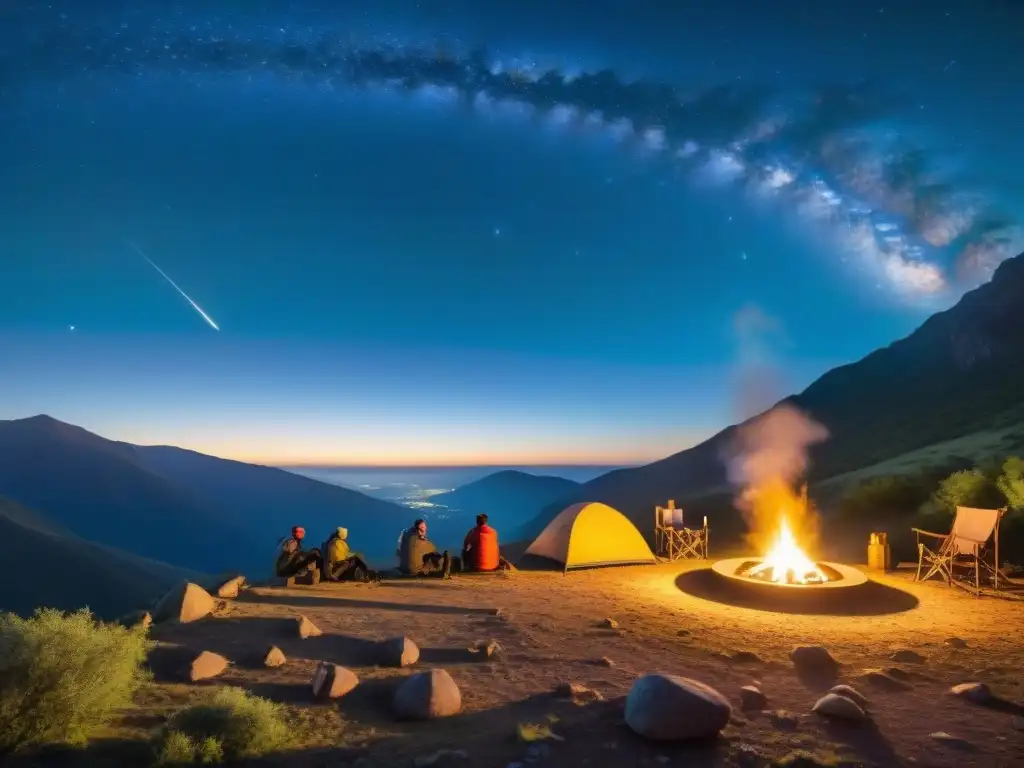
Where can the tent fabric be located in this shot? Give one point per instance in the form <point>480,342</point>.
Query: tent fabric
<point>591,534</point>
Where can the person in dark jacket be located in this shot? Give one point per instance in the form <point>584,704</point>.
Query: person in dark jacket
<point>292,560</point>
<point>341,563</point>
<point>417,555</point>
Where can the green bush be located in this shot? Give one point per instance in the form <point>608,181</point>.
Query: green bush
<point>967,488</point>
<point>1011,482</point>
<point>880,497</point>
<point>62,675</point>
<point>230,724</point>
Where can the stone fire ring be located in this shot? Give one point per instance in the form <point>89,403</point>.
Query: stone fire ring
<point>840,577</point>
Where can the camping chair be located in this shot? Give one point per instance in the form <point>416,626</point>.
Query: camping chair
<point>673,540</point>
<point>965,546</point>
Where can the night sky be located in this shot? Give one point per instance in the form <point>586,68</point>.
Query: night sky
<point>484,232</point>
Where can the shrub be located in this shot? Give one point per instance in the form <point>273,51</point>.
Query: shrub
<point>62,675</point>
<point>229,724</point>
<point>1011,482</point>
<point>879,497</point>
<point>967,488</point>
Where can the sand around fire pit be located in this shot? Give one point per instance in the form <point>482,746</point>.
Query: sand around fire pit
<point>553,633</point>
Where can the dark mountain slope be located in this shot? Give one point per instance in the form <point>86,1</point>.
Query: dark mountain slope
<point>173,505</point>
<point>47,566</point>
<point>510,498</point>
<point>960,372</point>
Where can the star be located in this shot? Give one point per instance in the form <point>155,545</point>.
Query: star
<point>497,231</point>
<point>743,255</point>
<point>71,327</point>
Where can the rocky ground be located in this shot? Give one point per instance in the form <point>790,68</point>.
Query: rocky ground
<point>601,630</point>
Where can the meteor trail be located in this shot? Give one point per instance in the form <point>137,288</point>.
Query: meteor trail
<point>163,274</point>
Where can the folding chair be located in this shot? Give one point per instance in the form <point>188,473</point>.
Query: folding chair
<point>964,547</point>
<point>673,540</point>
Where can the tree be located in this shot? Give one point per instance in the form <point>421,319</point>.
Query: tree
<point>967,488</point>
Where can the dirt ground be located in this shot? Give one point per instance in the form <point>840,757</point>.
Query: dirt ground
<point>552,629</point>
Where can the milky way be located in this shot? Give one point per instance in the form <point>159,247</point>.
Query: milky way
<point>830,155</point>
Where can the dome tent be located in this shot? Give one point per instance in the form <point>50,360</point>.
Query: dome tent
<point>591,534</point>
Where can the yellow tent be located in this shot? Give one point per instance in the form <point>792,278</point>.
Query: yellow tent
<point>591,534</point>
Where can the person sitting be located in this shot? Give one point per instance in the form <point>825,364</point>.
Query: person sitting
<point>480,548</point>
<point>341,563</point>
<point>293,561</point>
<point>417,555</point>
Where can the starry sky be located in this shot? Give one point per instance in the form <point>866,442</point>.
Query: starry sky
<point>492,233</point>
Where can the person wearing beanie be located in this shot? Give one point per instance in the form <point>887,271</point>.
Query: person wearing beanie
<point>341,563</point>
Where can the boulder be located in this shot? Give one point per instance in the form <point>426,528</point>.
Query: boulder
<point>427,695</point>
<point>398,652</point>
<point>813,658</point>
<point>331,681</point>
<point>851,693</point>
<point>306,628</point>
<point>671,708</point>
<point>835,706</point>
<point>978,693</point>
<point>231,587</point>
<point>207,665</point>
<point>184,603</point>
<point>136,619</point>
<point>752,698</point>
<point>275,657</point>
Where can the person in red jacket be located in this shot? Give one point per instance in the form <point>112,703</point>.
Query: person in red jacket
<point>480,549</point>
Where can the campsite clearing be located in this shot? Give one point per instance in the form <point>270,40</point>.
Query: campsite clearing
<point>553,629</point>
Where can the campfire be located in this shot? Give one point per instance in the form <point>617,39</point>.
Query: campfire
<point>786,563</point>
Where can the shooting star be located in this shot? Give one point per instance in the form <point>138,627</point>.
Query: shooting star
<point>163,274</point>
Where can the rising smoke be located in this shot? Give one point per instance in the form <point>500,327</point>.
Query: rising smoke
<point>768,456</point>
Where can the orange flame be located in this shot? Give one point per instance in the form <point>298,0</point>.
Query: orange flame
<point>782,519</point>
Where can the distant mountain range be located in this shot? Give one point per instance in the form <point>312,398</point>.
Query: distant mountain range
<point>177,506</point>
<point>510,498</point>
<point>47,565</point>
<point>960,373</point>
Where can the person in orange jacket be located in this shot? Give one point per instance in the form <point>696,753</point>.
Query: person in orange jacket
<point>480,548</point>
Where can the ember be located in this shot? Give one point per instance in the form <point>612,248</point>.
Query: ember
<point>786,563</point>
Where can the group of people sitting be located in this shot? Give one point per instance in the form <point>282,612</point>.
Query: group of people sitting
<point>417,555</point>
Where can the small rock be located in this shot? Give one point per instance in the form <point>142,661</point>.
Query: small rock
<point>578,693</point>
<point>136,619</point>
<point>851,693</point>
<point>907,656</point>
<point>486,649</point>
<point>399,652</point>
<point>604,661</point>
<point>274,658</point>
<point>331,681</point>
<point>610,623</point>
<point>752,698</point>
<point>444,758</point>
<point>785,720</point>
<point>207,665</point>
<point>231,587</point>
<point>879,679</point>
<point>813,658</point>
<point>956,642</point>
<point>671,708</point>
<point>683,633</point>
<point>745,657</point>
<point>427,695</point>
<point>1017,723</point>
<point>950,740</point>
<point>978,693</point>
<point>833,705</point>
<point>307,628</point>
<point>184,603</point>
